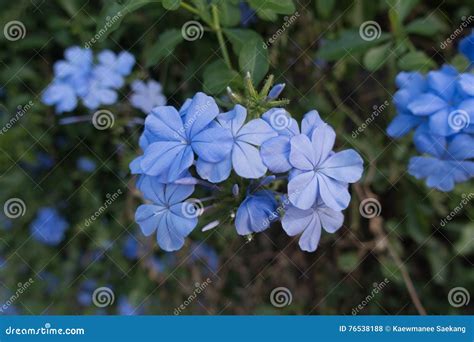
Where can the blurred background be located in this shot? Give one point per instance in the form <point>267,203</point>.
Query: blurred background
<point>406,257</point>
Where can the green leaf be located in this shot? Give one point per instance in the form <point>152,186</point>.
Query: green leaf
<point>163,47</point>
<point>416,60</point>
<point>217,76</point>
<point>348,261</point>
<point>325,7</point>
<point>376,57</point>
<point>229,14</point>
<point>427,26</point>
<point>403,8</point>
<point>171,5</point>
<point>239,37</point>
<point>349,42</point>
<point>253,58</point>
<point>269,9</point>
<point>112,16</point>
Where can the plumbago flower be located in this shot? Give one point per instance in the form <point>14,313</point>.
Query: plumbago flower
<point>147,96</point>
<point>77,77</point>
<point>49,226</point>
<point>233,156</point>
<point>439,107</point>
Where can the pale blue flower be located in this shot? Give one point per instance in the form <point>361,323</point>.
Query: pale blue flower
<point>147,96</point>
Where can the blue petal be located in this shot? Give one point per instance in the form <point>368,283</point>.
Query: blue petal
<point>466,84</point>
<point>323,139</point>
<point>275,154</point>
<point>256,132</point>
<point>148,217</point>
<point>302,154</point>
<point>175,193</point>
<point>213,144</point>
<point>333,193</point>
<point>234,119</point>
<point>402,124</point>
<point>281,121</point>
<point>427,104</point>
<point>165,123</point>
<point>214,172</point>
<point>427,142</point>
<point>440,124</point>
<point>160,155</point>
<point>173,228</point>
<point>201,111</point>
<point>461,147</point>
<point>442,83</point>
<point>345,166</point>
<point>311,120</point>
<point>246,161</point>
<point>303,190</point>
<point>255,213</point>
<point>331,220</point>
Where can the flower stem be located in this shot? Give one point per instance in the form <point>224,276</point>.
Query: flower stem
<point>189,8</point>
<point>220,37</point>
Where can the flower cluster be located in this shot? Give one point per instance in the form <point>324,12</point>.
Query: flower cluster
<point>241,158</point>
<point>79,77</point>
<point>439,107</point>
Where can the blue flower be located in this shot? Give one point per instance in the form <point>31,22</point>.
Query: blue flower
<point>447,163</point>
<point>147,96</point>
<point>60,94</point>
<point>130,248</point>
<point>167,215</point>
<point>309,222</point>
<point>319,172</point>
<point>112,68</point>
<point>86,164</point>
<point>126,308</point>
<point>48,227</point>
<point>256,212</point>
<point>175,137</point>
<point>244,156</point>
<point>247,15</point>
<point>466,47</point>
